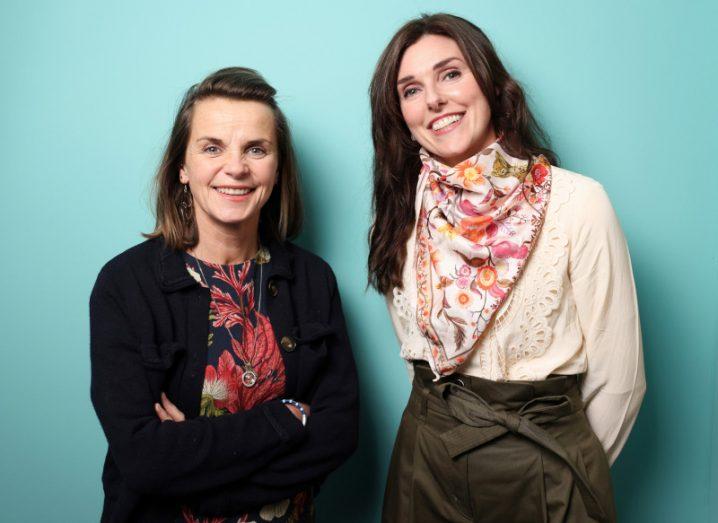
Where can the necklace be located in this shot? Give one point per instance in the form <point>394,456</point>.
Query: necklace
<point>249,376</point>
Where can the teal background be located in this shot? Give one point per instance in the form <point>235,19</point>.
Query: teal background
<point>626,89</point>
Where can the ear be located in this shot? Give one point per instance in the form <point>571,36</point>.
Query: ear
<point>183,175</point>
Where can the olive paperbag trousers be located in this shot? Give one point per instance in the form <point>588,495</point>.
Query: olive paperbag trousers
<point>470,449</point>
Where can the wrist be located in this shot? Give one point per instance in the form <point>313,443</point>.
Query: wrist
<point>298,406</point>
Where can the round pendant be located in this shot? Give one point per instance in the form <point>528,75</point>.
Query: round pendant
<point>249,378</point>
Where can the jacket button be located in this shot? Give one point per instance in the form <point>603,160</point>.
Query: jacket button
<point>288,343</point>
<point>273,289</point>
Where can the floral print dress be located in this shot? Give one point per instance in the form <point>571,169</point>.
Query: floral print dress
<point>244,365</point>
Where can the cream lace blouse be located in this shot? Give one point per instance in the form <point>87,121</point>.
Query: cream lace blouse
<point>572,311</point>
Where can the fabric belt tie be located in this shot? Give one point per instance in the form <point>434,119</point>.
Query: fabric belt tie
<point>482,424</point>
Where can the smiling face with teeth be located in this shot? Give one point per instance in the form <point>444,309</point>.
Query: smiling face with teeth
<point>231,165</point>
<point>441,102</point>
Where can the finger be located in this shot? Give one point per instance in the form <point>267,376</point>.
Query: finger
<point>306,408</point>
<point>162,413</point>
<point>171,409</point>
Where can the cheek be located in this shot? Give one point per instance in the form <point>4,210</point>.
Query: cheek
<point>484,108</point>
<point>412,115</point>
<point>481,104</point>
<point>267,176</point>
<point>200,172</point>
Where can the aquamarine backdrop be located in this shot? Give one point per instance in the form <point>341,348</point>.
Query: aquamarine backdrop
<point>626,89</point>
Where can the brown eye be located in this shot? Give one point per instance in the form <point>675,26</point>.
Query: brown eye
<point>411,91</point>
<point>452,74</point>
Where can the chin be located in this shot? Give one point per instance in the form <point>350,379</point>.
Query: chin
<point>454,157</point>
<point>230,221</point>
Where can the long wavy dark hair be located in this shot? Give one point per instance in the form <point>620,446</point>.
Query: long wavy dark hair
<point>396,158</point>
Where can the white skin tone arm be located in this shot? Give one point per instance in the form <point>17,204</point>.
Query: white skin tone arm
<point>168,411</point>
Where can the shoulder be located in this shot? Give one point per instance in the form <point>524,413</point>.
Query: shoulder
<point>311,278</point>
<point>582,207</point>
<point>308,264</point>
<point>578,196</point>
<point>305,257</point>
<point>138,259</point>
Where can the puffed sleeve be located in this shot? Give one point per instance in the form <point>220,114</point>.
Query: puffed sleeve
<point>604,291</point>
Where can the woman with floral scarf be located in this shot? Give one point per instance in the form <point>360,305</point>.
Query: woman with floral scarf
<point>510,289</point>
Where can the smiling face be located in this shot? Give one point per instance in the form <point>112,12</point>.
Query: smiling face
<point>230,163</point>
<point>441,102</point>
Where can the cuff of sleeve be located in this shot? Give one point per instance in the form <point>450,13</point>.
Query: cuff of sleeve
<point>288,427</point>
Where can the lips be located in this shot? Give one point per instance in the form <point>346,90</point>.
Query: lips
<point>445,123</point>
<point>234,191</point>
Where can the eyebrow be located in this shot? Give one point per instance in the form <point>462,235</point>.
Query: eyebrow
<point>437,65</point>
<point>218,141</point>
<point>210,139</point>
<point>258,141</point>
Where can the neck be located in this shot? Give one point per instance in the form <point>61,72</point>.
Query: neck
<point>226,245</point>
<point>489,139</point>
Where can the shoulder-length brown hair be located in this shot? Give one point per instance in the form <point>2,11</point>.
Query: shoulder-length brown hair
<point>396,158</point>
<point>281,216</point>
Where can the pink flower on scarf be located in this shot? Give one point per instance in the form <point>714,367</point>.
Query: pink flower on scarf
<point>507,249</point>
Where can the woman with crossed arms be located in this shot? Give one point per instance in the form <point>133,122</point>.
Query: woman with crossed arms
<point>222,374</point>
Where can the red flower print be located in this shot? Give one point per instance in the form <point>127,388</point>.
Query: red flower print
<point>539,173</point>
<point>228,312</point>
<point>491,230</point>
<point>474,228</point>
<point>189,517</point>
<point>216,387</point>
<point>231,375</point>
<point>259,348</point>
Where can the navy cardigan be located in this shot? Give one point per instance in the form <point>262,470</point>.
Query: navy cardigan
<point>148,334</point>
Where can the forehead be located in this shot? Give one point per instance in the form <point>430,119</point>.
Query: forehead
<point>420,57</point>
<point>218,117</point>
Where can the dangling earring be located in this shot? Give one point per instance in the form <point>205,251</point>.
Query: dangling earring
<point>185,205</point>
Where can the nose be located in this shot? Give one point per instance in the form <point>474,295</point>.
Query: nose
<point>435,100</point>
<point>236,165</point>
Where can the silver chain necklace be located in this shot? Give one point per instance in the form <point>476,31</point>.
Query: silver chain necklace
<point>249,376</point>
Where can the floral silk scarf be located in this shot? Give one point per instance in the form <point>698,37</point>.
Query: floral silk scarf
<point>477,224</point>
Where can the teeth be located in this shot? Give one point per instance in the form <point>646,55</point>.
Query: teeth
<point>233,192</point>
<point>447,120</point>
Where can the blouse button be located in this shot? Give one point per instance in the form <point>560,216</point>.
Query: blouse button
<point>272,286</point>
<point>288,343</point>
